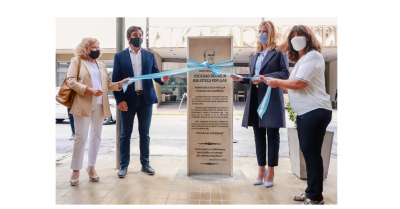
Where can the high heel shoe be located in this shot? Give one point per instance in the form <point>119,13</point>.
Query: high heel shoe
<point>258,182</point>
<point>93,178</point>
<point>74,182</point>
<point>270,184</point>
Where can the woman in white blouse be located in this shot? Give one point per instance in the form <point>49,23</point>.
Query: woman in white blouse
<point>308,98</point>
<point>90,106</point>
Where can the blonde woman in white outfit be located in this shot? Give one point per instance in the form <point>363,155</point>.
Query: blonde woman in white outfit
<point>90,106</point>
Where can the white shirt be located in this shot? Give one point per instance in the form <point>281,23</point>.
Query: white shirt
<point>136,60</point>
<point>310,68</point>
<point>94,69</point>
<point>260,60</point>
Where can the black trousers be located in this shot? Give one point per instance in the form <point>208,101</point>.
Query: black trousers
<point>311,128</point>
<point>261,135</point>
<point>261,145</point>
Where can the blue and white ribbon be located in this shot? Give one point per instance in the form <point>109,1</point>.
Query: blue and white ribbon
<point>264,103</point>
<point>197,66</point>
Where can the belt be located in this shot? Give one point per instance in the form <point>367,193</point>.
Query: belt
<point>139,92</point>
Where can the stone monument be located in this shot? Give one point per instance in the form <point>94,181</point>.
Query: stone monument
<point>209,108</point>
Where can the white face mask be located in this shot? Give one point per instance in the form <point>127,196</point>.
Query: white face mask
<point>298,42</point>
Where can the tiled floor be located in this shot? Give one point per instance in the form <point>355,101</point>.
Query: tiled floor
<point>167,187</point>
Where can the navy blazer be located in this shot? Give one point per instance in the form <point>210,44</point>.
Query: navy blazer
<point>123,69</point>
<point>275,65</point>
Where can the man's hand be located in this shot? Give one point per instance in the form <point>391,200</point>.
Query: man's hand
<point>256,81</point>
<point>236,78</point>
<point>123,106</point>
<point>124,81</point>
<point>165,79</point>
<point>94,92</point>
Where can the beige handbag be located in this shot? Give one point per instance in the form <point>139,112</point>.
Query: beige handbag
<point>66,95</point>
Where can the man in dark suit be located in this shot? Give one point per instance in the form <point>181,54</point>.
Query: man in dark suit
<point>138,98</point>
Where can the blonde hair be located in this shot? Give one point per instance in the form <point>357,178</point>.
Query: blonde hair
<point>82,50</point>
<point>272,37</point>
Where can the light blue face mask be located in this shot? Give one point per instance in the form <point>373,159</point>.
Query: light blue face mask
<point>263,37</point>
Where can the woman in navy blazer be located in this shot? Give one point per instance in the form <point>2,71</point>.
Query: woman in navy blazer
<point>268,62</point>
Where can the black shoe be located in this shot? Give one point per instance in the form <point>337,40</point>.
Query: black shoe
<point>122,171</point>
<point>148,170</point>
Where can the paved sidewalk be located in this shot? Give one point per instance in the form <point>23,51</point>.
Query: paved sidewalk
<point>171,185</point>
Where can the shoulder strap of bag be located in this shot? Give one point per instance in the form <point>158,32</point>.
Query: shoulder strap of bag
<point>79,67</point>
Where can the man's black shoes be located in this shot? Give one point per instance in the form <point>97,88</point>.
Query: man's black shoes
<point>122,171</point>
<point>145,168</point>
<point>148,170</point>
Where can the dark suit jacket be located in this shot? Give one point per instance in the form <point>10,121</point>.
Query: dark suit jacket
<point>123,69</point>
<point>274,65</point>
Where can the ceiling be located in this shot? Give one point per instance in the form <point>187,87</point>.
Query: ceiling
<point>329,53</point>
<point>240,54</point>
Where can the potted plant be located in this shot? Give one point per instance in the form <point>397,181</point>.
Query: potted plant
<point>296,157</point>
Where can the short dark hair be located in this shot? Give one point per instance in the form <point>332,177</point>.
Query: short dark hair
<point>131,29</point>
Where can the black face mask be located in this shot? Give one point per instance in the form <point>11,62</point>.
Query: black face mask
<point>136,42</point>
<point>94,54</point>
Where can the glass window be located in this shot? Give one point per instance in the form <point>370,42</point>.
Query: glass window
<point>175,88</point>
<point>61,72</point>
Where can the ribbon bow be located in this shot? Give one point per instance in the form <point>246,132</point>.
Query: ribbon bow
<point>214,68</point>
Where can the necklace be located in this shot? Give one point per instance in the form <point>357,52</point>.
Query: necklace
<point>92,65</point>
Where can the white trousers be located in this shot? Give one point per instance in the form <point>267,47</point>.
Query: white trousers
<point>84,125</point>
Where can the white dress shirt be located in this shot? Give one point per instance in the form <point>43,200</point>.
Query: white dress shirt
<point>310,69</point>
<point>260,60</point>
<point>136,60</point>
<point>94,69</point>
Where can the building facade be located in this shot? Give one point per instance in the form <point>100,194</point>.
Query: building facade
<point>167,38</point>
